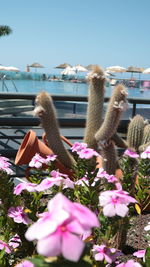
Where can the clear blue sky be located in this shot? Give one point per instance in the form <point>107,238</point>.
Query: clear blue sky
<point>104,32</point>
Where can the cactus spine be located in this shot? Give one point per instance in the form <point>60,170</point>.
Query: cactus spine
<point>46,111</point>
<point>95,106</point>
<point>135,132</point>
<point>113,114</point>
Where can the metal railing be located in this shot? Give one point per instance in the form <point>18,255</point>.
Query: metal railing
<point>74,98</point>
<point>13,129</point>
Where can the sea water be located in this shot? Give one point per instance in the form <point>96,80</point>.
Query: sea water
<point>62,88</point>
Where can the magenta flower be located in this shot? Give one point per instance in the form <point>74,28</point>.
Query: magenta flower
<point>130,153</point>
<point>18,215</point>
<point>56,174</point>
<point>59,230</point>
<point>37,161</point>
<point>4,165</point>
<point>139,253</point>
<point>102,174</point>
<point>78,146</point>
<point>102,253</point>
<point>115,202</point>
<point>5,246</point>
<point>15,241</point>
<point>130,263</point>
<point>82,181</point>
<point>30,187</point>
<point>112,179</point>
<point>48,183</point>
<point>25,264</point>
<point>146,153</point>
<point>87,153</point>
<point>50,158</point>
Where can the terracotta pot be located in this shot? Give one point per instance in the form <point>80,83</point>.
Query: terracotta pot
<point>32,145</point>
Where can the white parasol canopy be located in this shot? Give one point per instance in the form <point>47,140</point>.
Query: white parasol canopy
<point>79,68</point>
<point>68,71</point>
<point>147,71</point>
<point>11,68</point>
<point>116,69</point>
<point>2,67</point>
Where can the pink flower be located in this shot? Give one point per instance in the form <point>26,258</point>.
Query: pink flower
<point>102,174</point>
<point>130,263</point>
<point>139,253</point>
<point>15,241</point>
<point>56,174</point>
<point>102,253</point>
<point>18,215</point>
<point>130,153</point>
<point>78,146</point>
<point>48,183</point>
<point>146,153</point>
<point>50,158</point>
<point>30,187</point>
<point>5,246</point>
<point>36,161</point>
<point>59,230</point>
<point>4,165</point>
<point>87,153</point>
<point>112,179</point>
<point>82,181</point>
<point>25,264</point>
<point>115,202</point>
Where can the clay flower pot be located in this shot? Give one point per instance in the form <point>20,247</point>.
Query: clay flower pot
<point>32,145</point>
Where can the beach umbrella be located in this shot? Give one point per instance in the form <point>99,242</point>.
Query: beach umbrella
<point>11,68</point>
<point>116,69</point>
<point>2,67</point>
<point>79,68</point>
<point>90,66</point>
<point>36,65</point>
<point>63,66</point>
<point>68,71</point>
<point>133,69</point>
<point>147,71</point>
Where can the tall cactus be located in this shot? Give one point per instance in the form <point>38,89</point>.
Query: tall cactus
<point>95,106</point>
<point>135,132</point>
<point>113,115</point>
<point>46,111</point>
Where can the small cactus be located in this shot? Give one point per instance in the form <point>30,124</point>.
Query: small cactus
<point>95,106</point>
<point>46,111</point>
<point>146,134</point>
<point>113,115</point>
<point>135,132</point>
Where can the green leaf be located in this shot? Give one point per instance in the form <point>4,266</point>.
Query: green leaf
<point>147,257</point>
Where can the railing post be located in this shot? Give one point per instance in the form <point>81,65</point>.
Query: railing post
<point>134,110</point>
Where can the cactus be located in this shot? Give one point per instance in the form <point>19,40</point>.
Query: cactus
<point>110,158</point>
<point>135,132</point>
<point>113,114</point>
<point>145,139</point>
<point>119,141</point>
<point>146,134</point>
<point>95,106</point>
<point>46,111</point>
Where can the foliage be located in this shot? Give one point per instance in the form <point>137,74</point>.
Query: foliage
<point>98,206</point>
<point>5,30</point>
